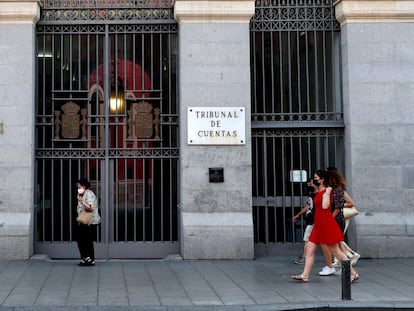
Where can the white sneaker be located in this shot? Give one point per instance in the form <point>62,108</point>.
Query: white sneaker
<point>327,271</point>
<point>355,258</point>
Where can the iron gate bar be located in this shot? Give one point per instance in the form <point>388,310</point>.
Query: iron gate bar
<point>106,174</point>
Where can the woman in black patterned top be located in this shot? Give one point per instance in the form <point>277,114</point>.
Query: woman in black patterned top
<point>341,199</point>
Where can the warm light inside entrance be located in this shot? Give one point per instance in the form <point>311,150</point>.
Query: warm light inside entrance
<point>116,105</point>
<point>117,99</point>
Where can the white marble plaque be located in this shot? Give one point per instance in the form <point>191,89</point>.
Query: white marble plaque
<point>216,126</point>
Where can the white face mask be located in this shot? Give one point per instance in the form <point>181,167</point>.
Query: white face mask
<point>81,191</point>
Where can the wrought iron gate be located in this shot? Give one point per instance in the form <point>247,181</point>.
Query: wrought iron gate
<point>107,110</point>
<point>297,121</point>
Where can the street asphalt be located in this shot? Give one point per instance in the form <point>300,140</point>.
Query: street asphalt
<point>174,284</point>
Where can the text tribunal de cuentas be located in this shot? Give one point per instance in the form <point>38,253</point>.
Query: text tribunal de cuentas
<point>217,115</point>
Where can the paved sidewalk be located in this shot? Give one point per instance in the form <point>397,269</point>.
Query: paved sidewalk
<point>262,284</point>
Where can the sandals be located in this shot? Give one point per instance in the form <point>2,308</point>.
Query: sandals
<point>300,277</point>
<point>86,262</point>
<point>354,277</point>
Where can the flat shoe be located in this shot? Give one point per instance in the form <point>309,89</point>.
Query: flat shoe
<point>354,277</point>
<point>300,277</point>
<point>89,261</point>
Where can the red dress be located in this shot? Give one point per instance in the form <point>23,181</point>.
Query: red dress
<point>325,228</point>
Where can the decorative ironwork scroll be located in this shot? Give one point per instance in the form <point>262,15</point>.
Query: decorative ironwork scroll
<point>287,15</point>
<point>306,119</point>
<point>303,132</point>
<point>106,11</point>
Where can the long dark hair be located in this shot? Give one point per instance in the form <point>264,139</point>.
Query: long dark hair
<point>337,180</point>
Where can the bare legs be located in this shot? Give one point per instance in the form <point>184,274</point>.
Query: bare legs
<point>338,253</point>
<point>310,259</point>
<point>346,249</point>
<point>305,246</point>
<point>349,252</point>
<point>327,255</point>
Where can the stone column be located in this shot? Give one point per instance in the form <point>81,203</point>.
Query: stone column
<point>214,72</point>
<point>17,102</point>
<point>378,80</point>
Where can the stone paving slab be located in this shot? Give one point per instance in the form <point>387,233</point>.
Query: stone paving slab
<point>227,285</point>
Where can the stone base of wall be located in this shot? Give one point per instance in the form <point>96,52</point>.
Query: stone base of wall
<point>385,235</point>
<point>217,236</point>
<point>15,248</point>
<point>15,236</point>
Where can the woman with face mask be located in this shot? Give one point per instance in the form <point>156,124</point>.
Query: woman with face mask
<point>325,228</point>
<point>86,233</point>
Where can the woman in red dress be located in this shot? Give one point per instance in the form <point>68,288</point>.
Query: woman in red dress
<point>325,228</point>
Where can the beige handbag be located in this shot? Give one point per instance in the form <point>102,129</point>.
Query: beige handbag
<point>84,218</point>
<point>349,212</point>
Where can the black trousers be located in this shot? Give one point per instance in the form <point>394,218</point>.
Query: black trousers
<point>85,237</point>
<point>341,224</point>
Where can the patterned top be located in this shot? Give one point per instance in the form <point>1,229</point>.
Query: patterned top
<point>309,216</point>
<point>90,198</point>
<point>338,201</point>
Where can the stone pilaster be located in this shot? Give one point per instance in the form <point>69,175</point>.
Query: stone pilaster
<point>19,11</point>
<point>216,218</point>
<point>374,11</point>
<point>17,89</point>
<point>378,87</point>
<point>213,11</point>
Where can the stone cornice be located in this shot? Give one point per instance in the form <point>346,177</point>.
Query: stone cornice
<point>374,11</point>
<point>19,11</point>
<point>213,11</point>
